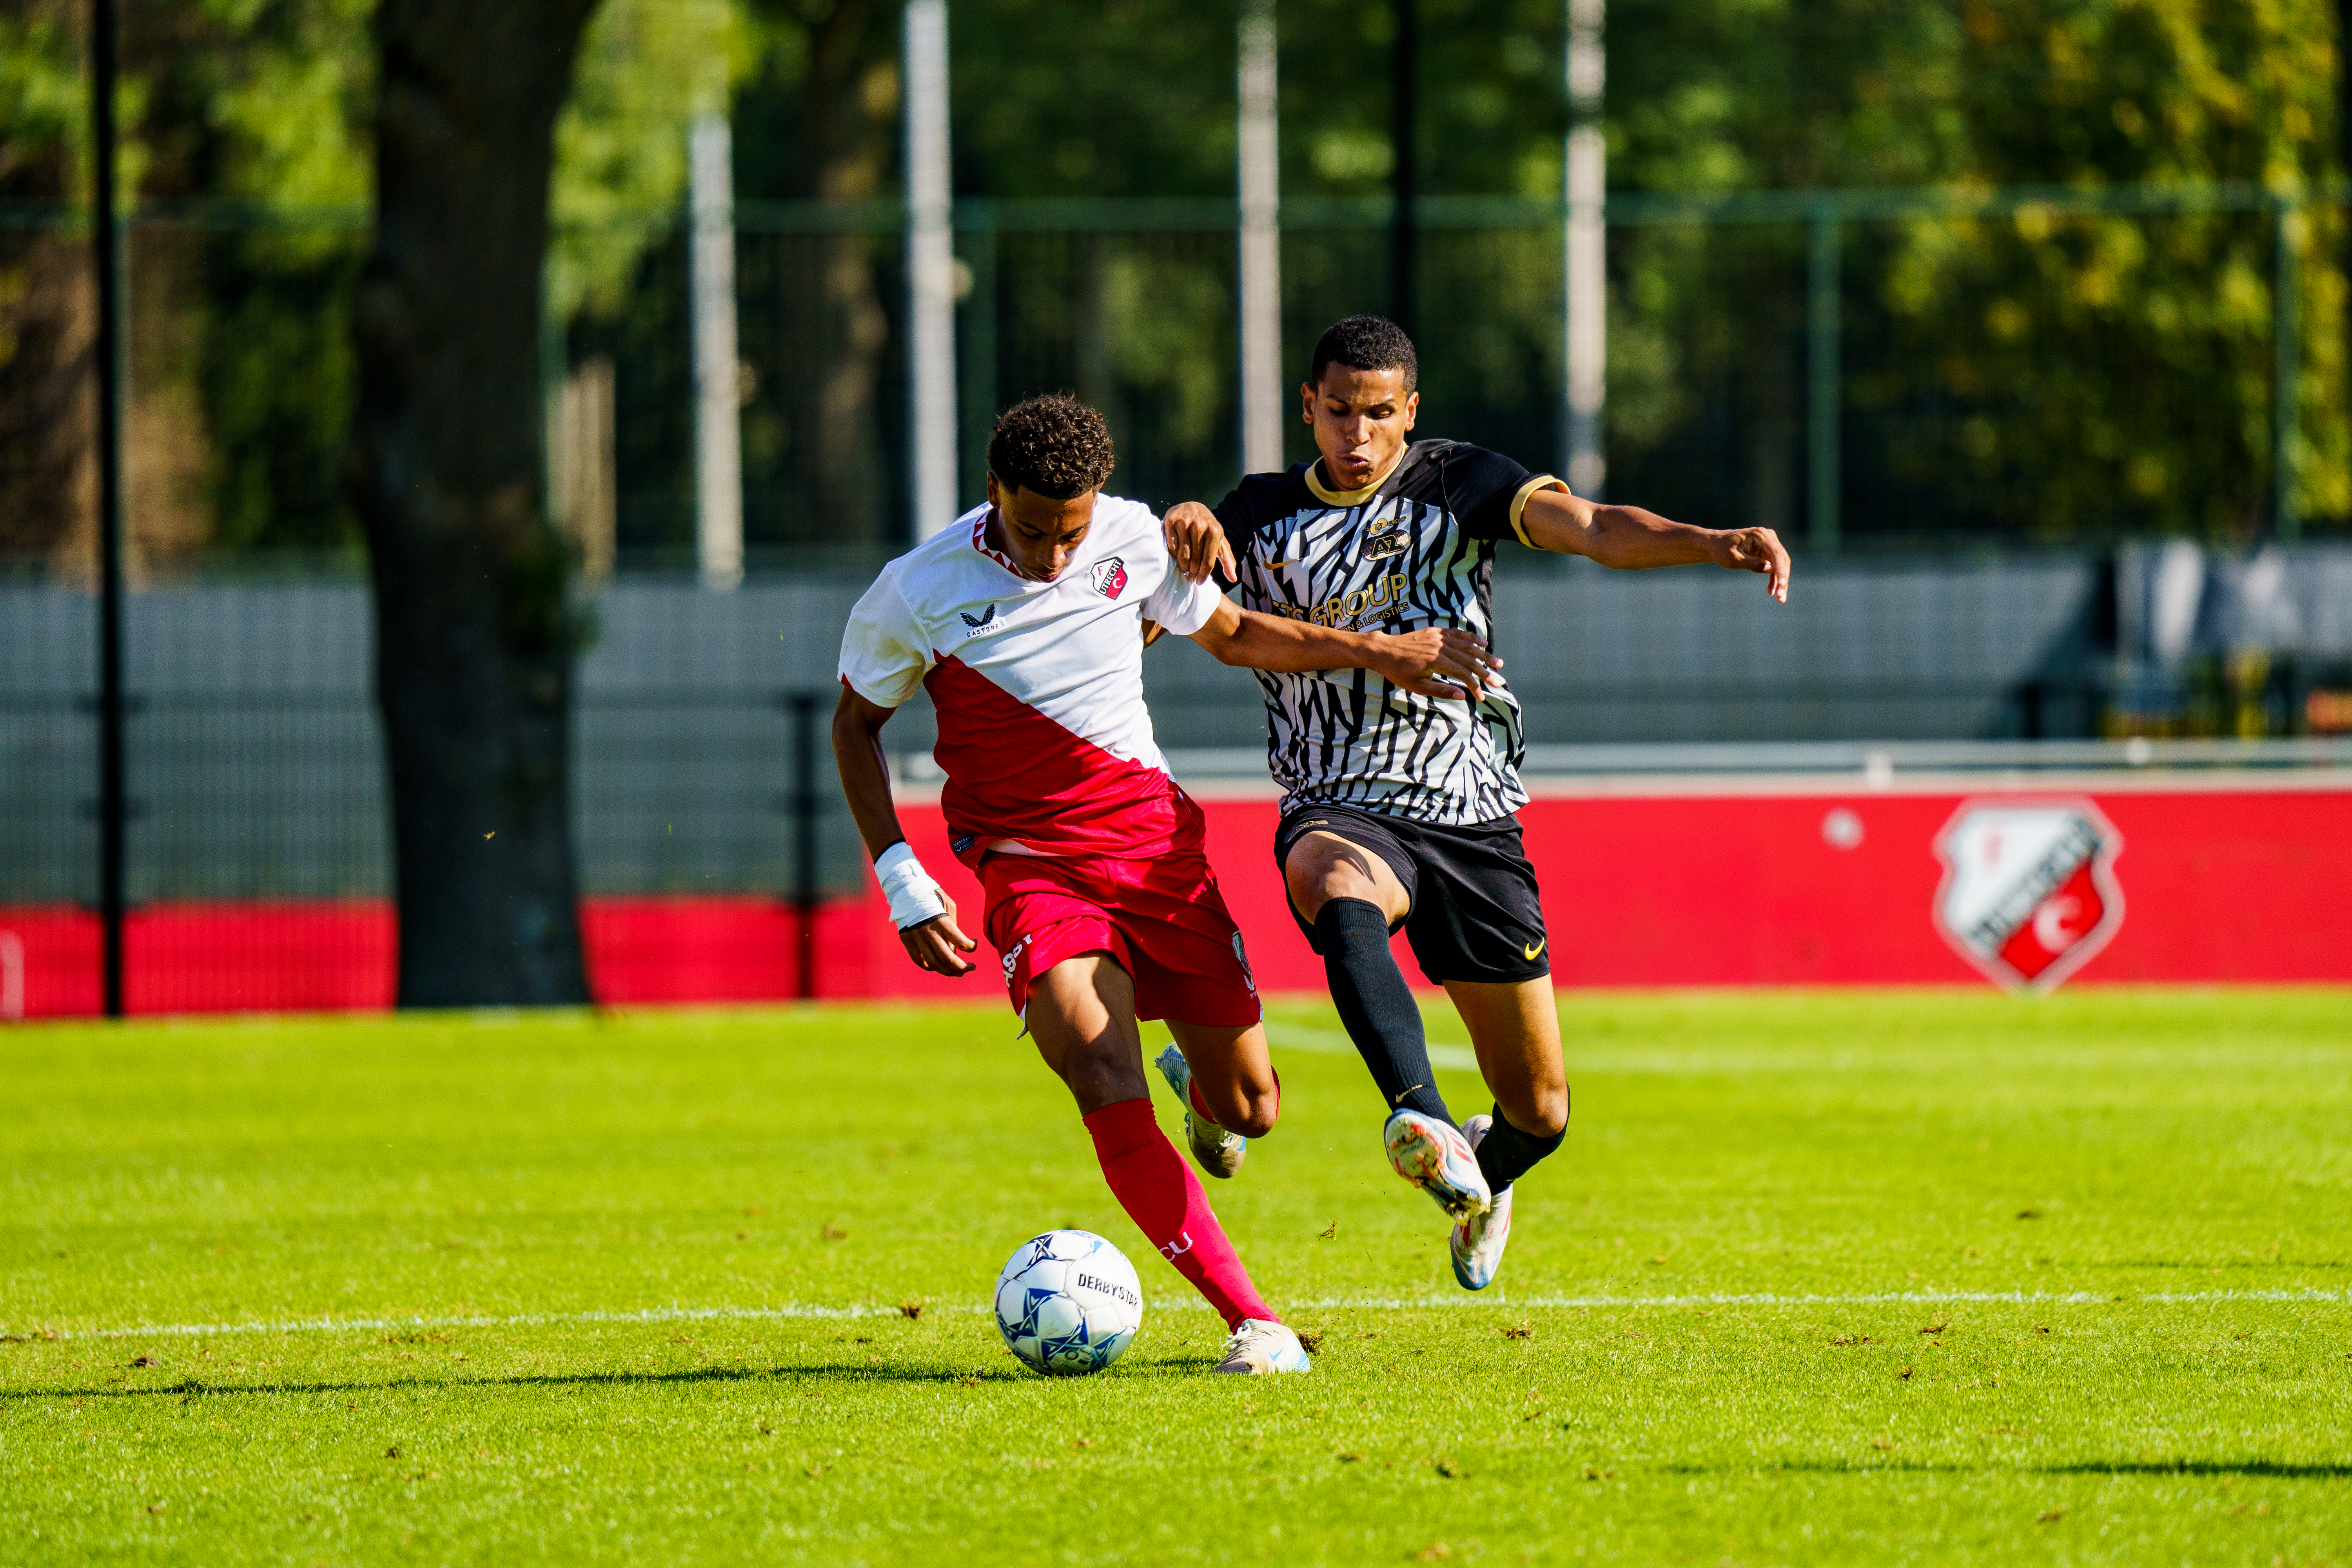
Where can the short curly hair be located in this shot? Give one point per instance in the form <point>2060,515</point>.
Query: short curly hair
<point>1365,343</point>
<point>1054,444</point>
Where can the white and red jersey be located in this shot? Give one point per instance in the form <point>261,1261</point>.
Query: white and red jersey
<point>1039,686</point>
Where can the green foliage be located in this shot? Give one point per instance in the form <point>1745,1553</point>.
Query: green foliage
<point>44,103</point>
<point>1936,1277</point>
<point>646,68</point>
<point>2123,366</point>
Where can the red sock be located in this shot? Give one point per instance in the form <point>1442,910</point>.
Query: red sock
<point>1164,1198</point>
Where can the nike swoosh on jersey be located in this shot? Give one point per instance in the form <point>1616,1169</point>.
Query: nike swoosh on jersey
<point>1536,950</point>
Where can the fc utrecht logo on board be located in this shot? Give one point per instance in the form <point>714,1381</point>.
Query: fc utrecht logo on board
<point>2028,892</point>
<point>1110,577</point>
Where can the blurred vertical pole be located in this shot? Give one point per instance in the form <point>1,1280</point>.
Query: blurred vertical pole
<point>930,272</point>
<point>1404,137</point>
<point>804,845</point>
<point>106,233</point>
<point>976,366</point>
<point>718,388</point>
<point>1824,389</point>
<point>1261,242</point>
<point>2287,372</point>
<point>1585,259</point>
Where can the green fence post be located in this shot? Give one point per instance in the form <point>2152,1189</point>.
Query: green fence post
<point>2286,369</point>
<point>1823,387</point>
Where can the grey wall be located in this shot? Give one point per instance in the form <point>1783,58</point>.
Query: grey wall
<point>256,765</point>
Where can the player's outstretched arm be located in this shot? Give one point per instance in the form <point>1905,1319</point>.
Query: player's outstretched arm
<point>1629,539</point>
<point>919,908</point>
<point>1434,662</point>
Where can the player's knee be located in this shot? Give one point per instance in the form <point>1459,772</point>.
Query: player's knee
<point>1542,1112</point>
<point>1255,1115</point>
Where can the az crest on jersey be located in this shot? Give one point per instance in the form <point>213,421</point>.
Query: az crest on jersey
<point>2028,892</point>
<point>1110,577</point>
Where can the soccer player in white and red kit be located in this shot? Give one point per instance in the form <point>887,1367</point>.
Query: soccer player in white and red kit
<point>1025,621</point>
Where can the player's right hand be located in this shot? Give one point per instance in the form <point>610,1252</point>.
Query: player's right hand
<point>938,946</point>
<point>1437,661</point>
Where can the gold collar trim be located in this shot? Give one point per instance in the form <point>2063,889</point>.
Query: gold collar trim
<point>1351,498</point>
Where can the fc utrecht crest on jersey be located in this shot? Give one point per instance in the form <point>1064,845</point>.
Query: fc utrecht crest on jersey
<point>2028,892</point>
<point>1110,577</point>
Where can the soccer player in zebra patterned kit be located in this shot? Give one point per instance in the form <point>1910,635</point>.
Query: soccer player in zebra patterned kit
<point>1398,807</point>
<point>1024,620</point>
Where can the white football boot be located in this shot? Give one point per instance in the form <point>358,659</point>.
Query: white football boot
<point>1260,1346</point>
<point>1219,1152</point>
<point>1477,1242</point>
<point>1436,1158</point>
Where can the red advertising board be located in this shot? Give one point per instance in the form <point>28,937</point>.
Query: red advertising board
<point>2183,880</point>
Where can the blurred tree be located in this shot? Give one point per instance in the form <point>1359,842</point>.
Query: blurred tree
<point>47,309</point>
<point>475,628</point>
<point>2114,373</point>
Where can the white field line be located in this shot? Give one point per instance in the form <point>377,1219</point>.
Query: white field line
<point>1346,1303</point>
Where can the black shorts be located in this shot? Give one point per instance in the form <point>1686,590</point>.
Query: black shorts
<point>1474,912</point>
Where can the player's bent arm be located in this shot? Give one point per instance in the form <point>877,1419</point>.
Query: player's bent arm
<point>1434,662</point>
<point>1629,539</point>
<point>931,940</point>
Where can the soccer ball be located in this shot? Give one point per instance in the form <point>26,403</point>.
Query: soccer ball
<point>1068,1303</point>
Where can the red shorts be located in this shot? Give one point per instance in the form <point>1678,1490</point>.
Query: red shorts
<point>1163,918</point>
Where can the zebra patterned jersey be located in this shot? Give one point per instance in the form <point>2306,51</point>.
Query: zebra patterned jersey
<point>1412,549</point>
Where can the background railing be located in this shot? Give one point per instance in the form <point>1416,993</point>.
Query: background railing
<point>2044,456</point>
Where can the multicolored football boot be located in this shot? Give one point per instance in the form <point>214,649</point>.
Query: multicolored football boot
<point>1434,1157</point>
<point>1260,1346</point>
<point>1477,1242</point>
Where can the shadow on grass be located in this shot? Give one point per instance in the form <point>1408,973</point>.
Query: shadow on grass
<point>863,1372</point>
<point>2328,1472</point>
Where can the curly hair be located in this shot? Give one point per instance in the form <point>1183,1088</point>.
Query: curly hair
<point>1365,343</point>
<point>1054,444</point>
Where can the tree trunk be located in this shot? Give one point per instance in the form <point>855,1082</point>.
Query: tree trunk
<point>475,631</point>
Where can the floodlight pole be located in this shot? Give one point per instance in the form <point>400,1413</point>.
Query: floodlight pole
<point>1585,257</point>
<point>804,845</point>
<point>2287,372</point>
<point>1261,242</point>
<point>717,391</point>
<point>1824,380</point>
<point>930,272</point>
<point>106,242</point>
<point>1405,138</point>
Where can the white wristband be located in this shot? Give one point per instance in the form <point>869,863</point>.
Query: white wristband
<point>914,897</point>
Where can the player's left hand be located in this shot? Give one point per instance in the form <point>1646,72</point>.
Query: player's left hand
<point>1443,662</point>
<point>1754,550</point>
<point>1197,540</point>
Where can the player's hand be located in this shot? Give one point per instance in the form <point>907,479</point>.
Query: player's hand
<point>937,946</point>
<point>1442,662</point>
<point>1197,540</point>
<point>1754,550</point>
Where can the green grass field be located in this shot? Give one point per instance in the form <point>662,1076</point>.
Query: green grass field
<point>1933,1277</point>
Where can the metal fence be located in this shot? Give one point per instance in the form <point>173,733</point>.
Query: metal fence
<point>1861,369</point>
<point>1850,366</point>
<point>255,770</point>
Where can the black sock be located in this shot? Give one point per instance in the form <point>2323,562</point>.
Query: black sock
<point>1377,1006</point>
<point>1506,1153</point>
